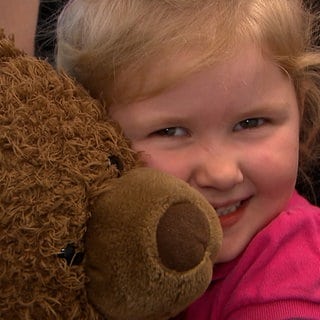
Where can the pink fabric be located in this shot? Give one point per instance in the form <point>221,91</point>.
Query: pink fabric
<point>276,277</point>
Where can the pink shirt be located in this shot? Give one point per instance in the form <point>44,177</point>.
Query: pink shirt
<point>276,277</point>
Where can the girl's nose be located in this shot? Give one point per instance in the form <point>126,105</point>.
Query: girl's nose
<point>216,170</point>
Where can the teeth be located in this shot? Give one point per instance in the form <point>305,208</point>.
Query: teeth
<point>226,210</point>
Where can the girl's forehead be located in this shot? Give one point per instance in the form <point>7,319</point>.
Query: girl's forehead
<point>170,68</point>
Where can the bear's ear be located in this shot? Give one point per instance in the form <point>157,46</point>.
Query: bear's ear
<point>7,48</point>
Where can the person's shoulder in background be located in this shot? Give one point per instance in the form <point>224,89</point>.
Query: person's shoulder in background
<point>19,18</point>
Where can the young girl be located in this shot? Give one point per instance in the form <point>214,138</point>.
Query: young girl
<point>224,95</point>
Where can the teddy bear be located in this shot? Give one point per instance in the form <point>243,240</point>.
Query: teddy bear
<point>86,230</point>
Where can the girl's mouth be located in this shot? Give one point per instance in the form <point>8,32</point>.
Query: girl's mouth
<point>228,209</point>
<point>231,214</point>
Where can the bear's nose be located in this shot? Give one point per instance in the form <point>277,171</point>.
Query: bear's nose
<point>182,237</point>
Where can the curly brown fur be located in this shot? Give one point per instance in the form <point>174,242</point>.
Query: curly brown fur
<point>54,147</point>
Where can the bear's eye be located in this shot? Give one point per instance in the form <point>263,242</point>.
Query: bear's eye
<point>72,257</point>
<point>114,160</point>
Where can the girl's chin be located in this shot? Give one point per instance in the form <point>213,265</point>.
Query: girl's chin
<point>229,253</point>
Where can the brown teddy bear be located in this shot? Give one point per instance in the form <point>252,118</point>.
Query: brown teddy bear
<point>86,232</point>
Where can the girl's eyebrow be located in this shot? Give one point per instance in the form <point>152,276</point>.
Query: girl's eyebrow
<point>165,114</point>
<point>277,108</point>
<point>168,119</point>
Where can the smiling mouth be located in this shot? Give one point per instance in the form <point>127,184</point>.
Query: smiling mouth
<point>231,214</point>
<point>223,211</point>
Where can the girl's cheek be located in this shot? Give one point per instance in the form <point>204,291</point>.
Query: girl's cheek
<point>167,164</point>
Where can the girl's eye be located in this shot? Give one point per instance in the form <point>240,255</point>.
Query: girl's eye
<point>251,123</point>
<point>171,132</point>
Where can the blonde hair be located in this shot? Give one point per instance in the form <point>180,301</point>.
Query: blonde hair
<point>108,45</point>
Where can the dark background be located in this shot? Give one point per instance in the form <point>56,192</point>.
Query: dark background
<point>45,34</point>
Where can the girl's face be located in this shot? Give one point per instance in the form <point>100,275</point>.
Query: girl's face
<point>232,132</point>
